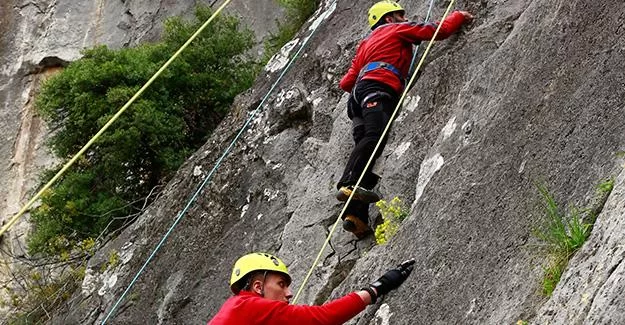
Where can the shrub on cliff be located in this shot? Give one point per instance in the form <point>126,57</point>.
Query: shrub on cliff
<point>173,118</point>
<point>296,14</point>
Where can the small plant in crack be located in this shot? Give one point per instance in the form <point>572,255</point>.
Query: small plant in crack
<point>393,213</point>
<point>605,186</point>
<point>561,236</point>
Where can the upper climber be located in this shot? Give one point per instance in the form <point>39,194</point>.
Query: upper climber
<point>376,80</point>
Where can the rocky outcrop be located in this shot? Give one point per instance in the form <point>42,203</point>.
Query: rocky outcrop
<point>531,90</point>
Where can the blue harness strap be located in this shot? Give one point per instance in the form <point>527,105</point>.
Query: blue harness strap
<point>374,66</point>
<point>380,65</point>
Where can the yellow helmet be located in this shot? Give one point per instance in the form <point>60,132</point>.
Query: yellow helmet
<point>382,8</point>
<point>255,262</point>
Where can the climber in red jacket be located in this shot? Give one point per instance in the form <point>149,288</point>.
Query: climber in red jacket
<point>260,283</point>
<point>376,80</point>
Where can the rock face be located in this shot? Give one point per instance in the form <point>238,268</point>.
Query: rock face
<point>530,91</point>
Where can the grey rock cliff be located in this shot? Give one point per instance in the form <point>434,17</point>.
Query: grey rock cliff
<point>531,90</point>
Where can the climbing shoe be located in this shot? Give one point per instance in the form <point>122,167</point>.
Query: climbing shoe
<point>361,194</point>
<point>356,226</point>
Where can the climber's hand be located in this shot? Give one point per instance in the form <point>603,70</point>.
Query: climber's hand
<point>467,16</point>
<point>393,278</point>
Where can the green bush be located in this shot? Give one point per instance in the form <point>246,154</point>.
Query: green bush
<point>393,213</point>
<point>147,144</point>
<point>297,12</point>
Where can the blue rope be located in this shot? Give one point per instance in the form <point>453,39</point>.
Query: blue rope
<point>414,53</point>
<point>209,176</point>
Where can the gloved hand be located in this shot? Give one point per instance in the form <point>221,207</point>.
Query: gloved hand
<point>391,280</point>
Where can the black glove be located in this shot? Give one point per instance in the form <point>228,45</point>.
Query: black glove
<point>390,280</point>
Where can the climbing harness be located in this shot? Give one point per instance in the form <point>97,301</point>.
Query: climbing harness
<point>370,67</point>
<point>212,172</point>
<point>401,99</point>
<point>374,95</point>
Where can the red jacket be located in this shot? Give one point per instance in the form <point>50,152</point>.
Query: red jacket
<point>392,43</point>
<point>248,308</point>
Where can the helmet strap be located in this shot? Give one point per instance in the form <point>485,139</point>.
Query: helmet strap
<point>262,289</point>
<point>249,284</point>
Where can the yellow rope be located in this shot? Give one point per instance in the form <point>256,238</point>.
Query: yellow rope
<point>14,219</point>
<point>388,125</point>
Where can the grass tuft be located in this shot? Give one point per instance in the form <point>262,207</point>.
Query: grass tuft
<point>562,236</point>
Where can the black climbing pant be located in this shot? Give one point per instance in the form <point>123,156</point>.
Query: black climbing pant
<point>370,108</point>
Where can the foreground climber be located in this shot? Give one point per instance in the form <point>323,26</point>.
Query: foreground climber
<point>260,283</point>
<point>376,80</point>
